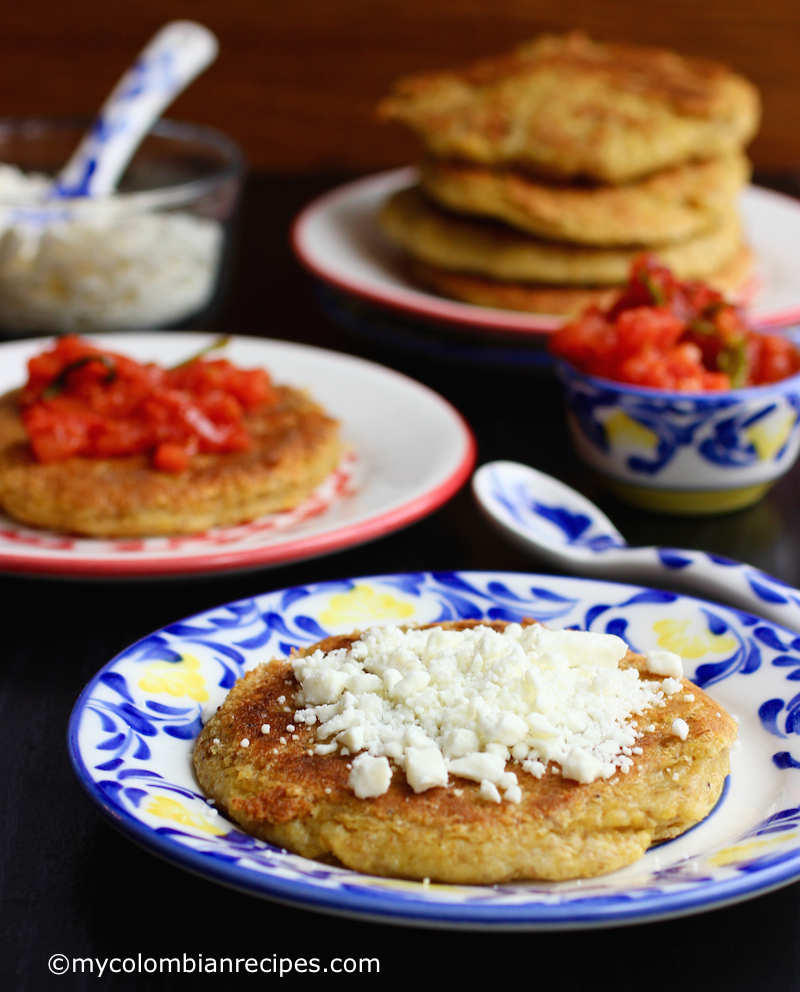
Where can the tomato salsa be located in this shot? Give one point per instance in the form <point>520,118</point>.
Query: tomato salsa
<point>83,401</point>
<point>673,335</point>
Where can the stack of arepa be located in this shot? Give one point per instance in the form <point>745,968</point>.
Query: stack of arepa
<point>549,169</point>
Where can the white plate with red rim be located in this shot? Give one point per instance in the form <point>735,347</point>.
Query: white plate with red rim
<point>338,239</point>
<point>407,452</point>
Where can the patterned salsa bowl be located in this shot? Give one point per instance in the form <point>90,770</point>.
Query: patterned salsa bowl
<point>683,453</point>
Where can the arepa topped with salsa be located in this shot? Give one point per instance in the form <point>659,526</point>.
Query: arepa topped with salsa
<point>96,443</point>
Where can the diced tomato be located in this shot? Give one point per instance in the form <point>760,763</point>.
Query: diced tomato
<point>81,401</point>
<point>777,359</point>
<point>171,457</point>
<point>673,335</point>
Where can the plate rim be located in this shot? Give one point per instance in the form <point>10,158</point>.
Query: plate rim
<point>420,304</point>
<point>222,560</point>
<point>415,302</point>
<point>571,915</point>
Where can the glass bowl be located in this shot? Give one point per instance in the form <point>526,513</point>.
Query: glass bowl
<point>153,255</point>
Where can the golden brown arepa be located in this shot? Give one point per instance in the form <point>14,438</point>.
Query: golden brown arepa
<point>278,791</point>
<point>295,446</point>
<point>561,301</point>
<point>673,205</point>
<point>549,169</point>
<point>564,106</point>
<point>495,250</point>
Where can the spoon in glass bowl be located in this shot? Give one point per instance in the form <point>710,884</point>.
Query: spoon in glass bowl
<point>549,519</point>
<point>172,58</point>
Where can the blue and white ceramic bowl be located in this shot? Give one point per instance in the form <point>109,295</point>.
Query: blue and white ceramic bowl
<point>685,453</point>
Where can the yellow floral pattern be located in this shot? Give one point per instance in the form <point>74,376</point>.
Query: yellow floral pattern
<point>675,635</point>
<point>769,434</point>
<point>625,432</point>
<point>171,809</point>
<point>363,604</point>
<point>747,851</point>
<point>180,678</point>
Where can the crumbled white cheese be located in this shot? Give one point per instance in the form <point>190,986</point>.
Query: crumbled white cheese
<point>479,767</point>
<point>370,777</point>
<point>535,768</point>
<point>99,263</point>
<point>464,702</point>
<point>670,686</point>
<point>680,728</point>
<point>664,663</point>
<point>425,768</point>
<point>489,791</point>
<point>581,766</point>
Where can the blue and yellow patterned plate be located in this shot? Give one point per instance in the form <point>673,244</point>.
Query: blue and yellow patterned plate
<point>133,728</point>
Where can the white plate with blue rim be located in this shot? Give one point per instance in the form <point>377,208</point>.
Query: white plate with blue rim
<point>132,732</point>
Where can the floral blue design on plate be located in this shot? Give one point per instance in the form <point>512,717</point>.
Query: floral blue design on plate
<point>132,731</point>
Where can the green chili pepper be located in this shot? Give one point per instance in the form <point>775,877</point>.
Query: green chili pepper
<point>733,360</point>
<point>704,327</point>
<point>220,342</point>
<point>59,384</point>
<point>655,291</point>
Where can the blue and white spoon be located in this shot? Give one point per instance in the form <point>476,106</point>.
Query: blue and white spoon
<point>543,516</point>
<point>175,56</point>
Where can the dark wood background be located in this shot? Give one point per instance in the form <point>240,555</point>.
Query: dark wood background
<point>297,81</point>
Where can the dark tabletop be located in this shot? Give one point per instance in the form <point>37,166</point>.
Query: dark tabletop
<point>72,885</point>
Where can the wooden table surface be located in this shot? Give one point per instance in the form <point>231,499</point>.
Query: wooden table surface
<point>72,885</point>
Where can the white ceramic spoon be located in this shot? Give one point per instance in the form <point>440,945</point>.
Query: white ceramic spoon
<point>175,56</point>
<point>546,517</point>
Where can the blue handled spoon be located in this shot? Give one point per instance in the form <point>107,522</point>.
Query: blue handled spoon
<point>549,519</point>
<point>173,57</point>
